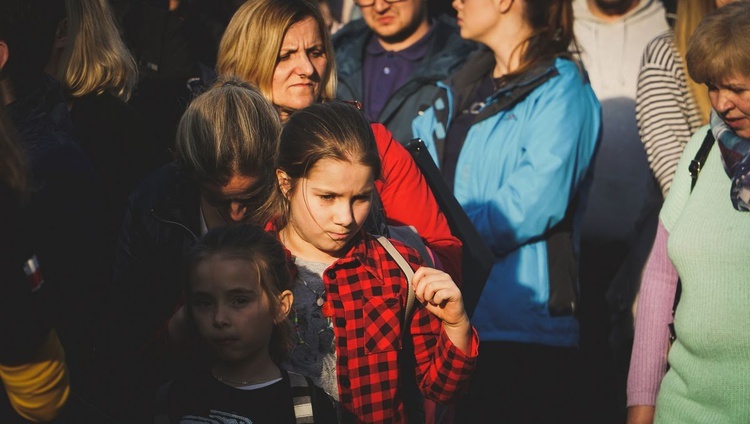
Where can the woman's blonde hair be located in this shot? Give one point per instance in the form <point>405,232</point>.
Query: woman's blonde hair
<point>689,15</point>
<point>229,130</point>
<point>249,48</point>
<point>95,59</point>
<point>719,46</point>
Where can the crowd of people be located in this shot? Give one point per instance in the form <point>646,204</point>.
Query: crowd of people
<point>211,212</point>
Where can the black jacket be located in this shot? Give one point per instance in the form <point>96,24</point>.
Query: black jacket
<point>62,220</point>
<point>160,225</point>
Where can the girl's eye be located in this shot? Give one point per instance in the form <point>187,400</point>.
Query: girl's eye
<point>202,303</point>
<point>317,53</point>
<point>284,57</point>
<point>327,196</point>
<point>240,301</point>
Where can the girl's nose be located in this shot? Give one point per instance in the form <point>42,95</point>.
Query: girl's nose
<point>344,215</point>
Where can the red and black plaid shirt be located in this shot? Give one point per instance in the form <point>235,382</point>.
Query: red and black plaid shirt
<point>368,292</point>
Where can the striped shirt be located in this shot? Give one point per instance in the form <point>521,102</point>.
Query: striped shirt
<point>666,112</point>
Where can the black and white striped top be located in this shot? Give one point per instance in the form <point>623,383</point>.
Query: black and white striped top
<point>666,112</point>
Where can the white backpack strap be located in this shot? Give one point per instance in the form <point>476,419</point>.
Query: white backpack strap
<point>408,272</point>
<point>303,409</point>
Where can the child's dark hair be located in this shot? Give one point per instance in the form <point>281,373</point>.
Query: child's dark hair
<point>331,130</point>
<point>265,252</point>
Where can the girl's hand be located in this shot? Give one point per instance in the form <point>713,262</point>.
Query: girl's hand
<point>442,298</point>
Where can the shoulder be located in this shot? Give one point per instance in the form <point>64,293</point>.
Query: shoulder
<point>570,72</point>
<point>571,81</point>
<point>564,81</point>
<point>391,151</point>
<point>157,185</point>
<point>410,254</point>
<point>380,132</point>
<point>660,51</point>
<point>104,114</point>
<point>350,33</point>
<point>102,100</point>
<point>695,143</point>
<point>680,189</point>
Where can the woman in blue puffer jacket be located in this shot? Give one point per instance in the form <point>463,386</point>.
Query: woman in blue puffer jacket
<point>514,133</point>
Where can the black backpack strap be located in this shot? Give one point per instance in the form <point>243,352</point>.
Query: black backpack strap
<point>161,415</point>
<point>303,397</point>
<point>700,158</point>
<point>695,168</point>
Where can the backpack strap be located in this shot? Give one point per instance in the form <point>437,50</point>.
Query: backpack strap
<point>695,169</point>
<point>303,397</point>
<point>700,158</point>
<point>413,400</point>
<point>162,403</point>
<point>408,272</point>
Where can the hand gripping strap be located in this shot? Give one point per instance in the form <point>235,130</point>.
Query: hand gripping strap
<point>408,272</point>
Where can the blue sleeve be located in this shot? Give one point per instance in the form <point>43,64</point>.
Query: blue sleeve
<point>562,125</point>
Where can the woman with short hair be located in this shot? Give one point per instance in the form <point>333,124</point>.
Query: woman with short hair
<point>701,240</point>
<point>222,176</point>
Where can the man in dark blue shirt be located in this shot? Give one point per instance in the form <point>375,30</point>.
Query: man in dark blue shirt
<point>392,58</point>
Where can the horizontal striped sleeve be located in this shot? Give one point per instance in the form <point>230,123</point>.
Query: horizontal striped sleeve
<point>666,112</point>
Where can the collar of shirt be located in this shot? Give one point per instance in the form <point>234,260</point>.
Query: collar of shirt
<point>357,250</point>
<point>413,53</point>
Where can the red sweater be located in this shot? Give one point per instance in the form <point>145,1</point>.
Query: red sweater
<point>408,200</point>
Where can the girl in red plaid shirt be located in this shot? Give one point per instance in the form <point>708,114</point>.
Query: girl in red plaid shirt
<point>349,294</point>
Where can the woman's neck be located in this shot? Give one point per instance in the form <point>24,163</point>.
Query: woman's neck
<point>507,43</point>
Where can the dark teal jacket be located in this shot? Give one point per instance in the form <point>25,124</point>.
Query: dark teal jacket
<point>447,52</point>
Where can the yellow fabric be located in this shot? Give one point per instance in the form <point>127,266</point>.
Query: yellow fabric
<point>39,389</point>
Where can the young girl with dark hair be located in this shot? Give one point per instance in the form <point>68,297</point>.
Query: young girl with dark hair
<point>350,307</point>
<point>237,300</point>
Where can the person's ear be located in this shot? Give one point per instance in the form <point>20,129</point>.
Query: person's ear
<point>286,298</point>
<point>4,54</point>
<point>285,183</point>
<point>503,6</point>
